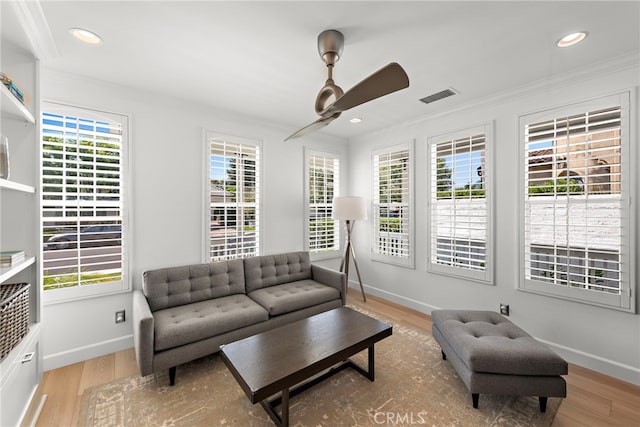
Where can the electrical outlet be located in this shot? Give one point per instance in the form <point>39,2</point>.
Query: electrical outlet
<point>504,309</point>
<point>120,316</point>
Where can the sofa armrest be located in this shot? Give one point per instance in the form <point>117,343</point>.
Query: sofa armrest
<point>143,336</point>
<point>332,278</point>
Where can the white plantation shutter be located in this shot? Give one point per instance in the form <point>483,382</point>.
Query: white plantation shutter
<point>393,205</point>
<point>82,201</point>
<point>234,198</point>
<point>323,184</point>
<point>576,220</point>
<point>460,214</point>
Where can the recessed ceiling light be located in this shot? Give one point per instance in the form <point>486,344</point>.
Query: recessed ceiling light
<point>356,120</point>
<point>571,39</point>
<point>85,36</point>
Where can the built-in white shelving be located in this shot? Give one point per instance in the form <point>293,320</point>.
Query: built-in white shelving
<point>21,369</point>
<point>7,272</point>
<point>13,107</point>
<point>12,185</point>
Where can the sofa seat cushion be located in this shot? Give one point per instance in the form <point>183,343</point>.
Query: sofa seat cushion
<point>488,342</point>
<point>189,323</point>
<point>292,296</point>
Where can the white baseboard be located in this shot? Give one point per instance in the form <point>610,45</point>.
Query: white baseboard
<point>594,362</point>
<point>390,296</point>
<point>36,415</point>
<point>80,354</point>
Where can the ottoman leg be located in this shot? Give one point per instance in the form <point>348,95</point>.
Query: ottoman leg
<point>543,404</point>
<point>172,375</point>
<point>474,399</point>
<point>444,356</point>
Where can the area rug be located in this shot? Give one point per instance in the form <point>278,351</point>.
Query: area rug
<point>413,386</point>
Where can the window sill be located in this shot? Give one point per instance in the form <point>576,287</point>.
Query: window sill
<point>63,297</point>
<point>622,302</point>
<point>399,262</point>
<point>323,256</point>
<point>478,276</point>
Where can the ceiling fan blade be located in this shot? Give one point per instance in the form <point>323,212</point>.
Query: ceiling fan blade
<point>386,80</point>
<point>318,124</point>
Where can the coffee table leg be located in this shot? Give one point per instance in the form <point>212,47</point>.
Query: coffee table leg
<point>269,406</point>
<point>285,408</point>
<point>370,371</point>
<point>372,364</point>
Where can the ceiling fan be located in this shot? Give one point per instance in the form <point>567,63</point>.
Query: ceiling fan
<point>386,80</point>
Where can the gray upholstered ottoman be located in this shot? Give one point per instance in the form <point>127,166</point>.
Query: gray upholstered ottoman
<point>493,356</point>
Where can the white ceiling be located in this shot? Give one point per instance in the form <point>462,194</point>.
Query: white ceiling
<point>259,59</point>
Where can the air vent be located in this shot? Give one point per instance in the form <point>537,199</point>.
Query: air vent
<point>438,96</point>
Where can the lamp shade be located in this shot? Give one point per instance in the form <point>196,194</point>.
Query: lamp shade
<point>349,208</point>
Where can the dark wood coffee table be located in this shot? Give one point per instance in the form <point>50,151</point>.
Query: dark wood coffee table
<point>279,359</point>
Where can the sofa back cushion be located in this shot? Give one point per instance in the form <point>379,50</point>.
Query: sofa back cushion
<point>269,270</point>
<point>170,287</point>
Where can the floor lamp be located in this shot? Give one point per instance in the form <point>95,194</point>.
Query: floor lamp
<point>350,209</point>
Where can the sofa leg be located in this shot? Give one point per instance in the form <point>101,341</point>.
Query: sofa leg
<point>543,404</point>
<point>172,375</point>
<point>444,356</point>
<point>474,399</point>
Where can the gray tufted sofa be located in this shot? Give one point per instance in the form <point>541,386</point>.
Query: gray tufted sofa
<point>183,313</point>
<point>493,356</point>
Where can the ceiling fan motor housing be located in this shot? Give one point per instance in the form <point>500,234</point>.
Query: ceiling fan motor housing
<point>330,44</point>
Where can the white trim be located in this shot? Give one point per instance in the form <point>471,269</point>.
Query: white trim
<point>87,352</point>
<point>208,135</point>
<point>37,31</point>
<point>482,276</point>
<point>38,411</point>
<point>393,297</point>
<point>206,196</point>
<point>623,372</point>
<point>626,301</point>
<point>408,262</point>
<point>308,152</point>
<point>63,295</point>
<point>546,85</point>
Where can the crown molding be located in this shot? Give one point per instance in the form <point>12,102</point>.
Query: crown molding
<point>611,66</point>
<point>36,28</point>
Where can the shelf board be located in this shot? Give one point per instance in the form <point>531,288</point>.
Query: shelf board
<point>8,272</point>
<point>13,107</point>
<point>12,185</point>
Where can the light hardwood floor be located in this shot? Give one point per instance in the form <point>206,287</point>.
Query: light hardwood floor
<point>592,399</point>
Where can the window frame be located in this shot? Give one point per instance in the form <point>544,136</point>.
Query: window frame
<point>485,276</point>
<point>409,260</point>
<point>327,254</point>
<point>208,137</point>
<point>63,295</point>
<point>625,301</point>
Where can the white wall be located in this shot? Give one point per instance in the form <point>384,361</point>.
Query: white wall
<point>602,339</point>
<point>166,137</point>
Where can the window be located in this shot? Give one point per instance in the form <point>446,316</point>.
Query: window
<point>83,202</point>
<point>576,224</point>
<point>323,184</point>
<point>233,197</point>
<point>393,205</point>
<point>460,214</point>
